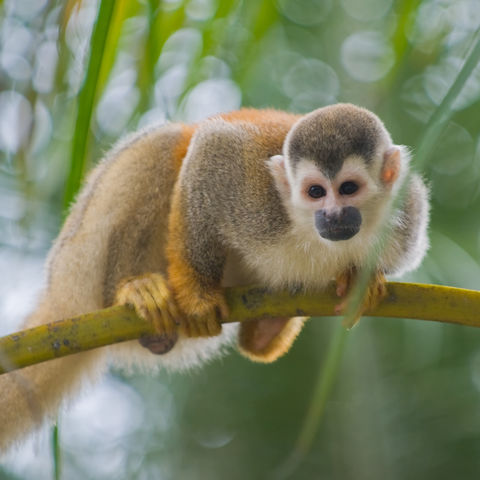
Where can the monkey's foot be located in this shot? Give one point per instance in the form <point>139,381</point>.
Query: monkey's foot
<point>376,291</point>
<point>203,314</point>
<point>152,299</point>
<point>266,339</point>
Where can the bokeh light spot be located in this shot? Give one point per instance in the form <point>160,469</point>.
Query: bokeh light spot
<point>367,56</point>
<point>305,12</point>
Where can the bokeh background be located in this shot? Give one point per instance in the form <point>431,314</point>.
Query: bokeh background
<point>405,398</point>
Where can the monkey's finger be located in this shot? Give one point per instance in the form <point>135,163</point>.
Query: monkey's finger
<point>165,301</point>
<point>382,288</point>
<point>344,282</point>
<point>160,289</point>
<point>341,289</point>
<point>342,286</point>
<point>137,292</point>
<point>221,310</point>
<point>132,296</point>
<point>376,292</point>
<point>205,326</point>
<point>212,325</point>
<point>189,327</point>
<point>165,321</point>
<point>122,295</point>
<point>162,321</point>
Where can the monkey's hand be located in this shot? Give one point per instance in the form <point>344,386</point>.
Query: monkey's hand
<point>376,291</point>
<point>203,312</point>
<point>152,299</point>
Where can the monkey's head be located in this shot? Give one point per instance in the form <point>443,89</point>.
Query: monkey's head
<point>337,170</point>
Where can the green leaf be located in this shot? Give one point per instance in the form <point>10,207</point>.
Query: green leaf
<point>86,100</point>
<point>444,111</point>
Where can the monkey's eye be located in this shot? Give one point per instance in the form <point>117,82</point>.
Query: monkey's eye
<point>348,188</point>
<point>316,191</point>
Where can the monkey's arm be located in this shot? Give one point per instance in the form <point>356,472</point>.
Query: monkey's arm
<point>407,242</point>
<point>196,251</point>
<point>224,190</point>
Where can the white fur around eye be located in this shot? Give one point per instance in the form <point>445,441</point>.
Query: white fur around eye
<point>304,169</point>
<point>355,169</point>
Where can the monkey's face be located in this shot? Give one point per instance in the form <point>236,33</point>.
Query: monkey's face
<point>338,172</point>
<point>334,205</point>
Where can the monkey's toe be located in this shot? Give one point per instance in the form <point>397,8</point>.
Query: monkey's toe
<point>344,281</point>
<point>376,291</point>
<point>203,313</point>
<point>206,326</point>
<point>152,299</point>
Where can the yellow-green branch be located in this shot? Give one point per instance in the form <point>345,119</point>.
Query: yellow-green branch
<point>118,324</point>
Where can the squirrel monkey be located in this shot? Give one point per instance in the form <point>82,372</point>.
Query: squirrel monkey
<point>174,214</point>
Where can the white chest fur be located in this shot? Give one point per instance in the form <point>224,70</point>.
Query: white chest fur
<point>298,259</point>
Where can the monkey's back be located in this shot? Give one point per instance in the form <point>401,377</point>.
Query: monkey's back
<point>118,225</point>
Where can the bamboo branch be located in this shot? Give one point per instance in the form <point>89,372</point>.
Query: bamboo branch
<point>118,324</point>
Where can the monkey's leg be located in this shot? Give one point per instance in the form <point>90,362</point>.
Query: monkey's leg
<point>152,299</point>
<point>202,303</point>
<point>195,268</point>
<point>267,339</point>
<point>376,291</point>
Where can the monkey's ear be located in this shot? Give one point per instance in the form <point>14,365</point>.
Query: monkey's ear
<point>392,162</point>
<point>276,165</point>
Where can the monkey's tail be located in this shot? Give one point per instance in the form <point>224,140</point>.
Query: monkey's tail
<point>32,396</point>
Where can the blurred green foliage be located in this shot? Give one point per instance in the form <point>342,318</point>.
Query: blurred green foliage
<point>77,75</point>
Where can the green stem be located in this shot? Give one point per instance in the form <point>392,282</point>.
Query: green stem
<point>441,114</point>
<point>316,410</point>
<point>56,452</point>
<point>86,100</point>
